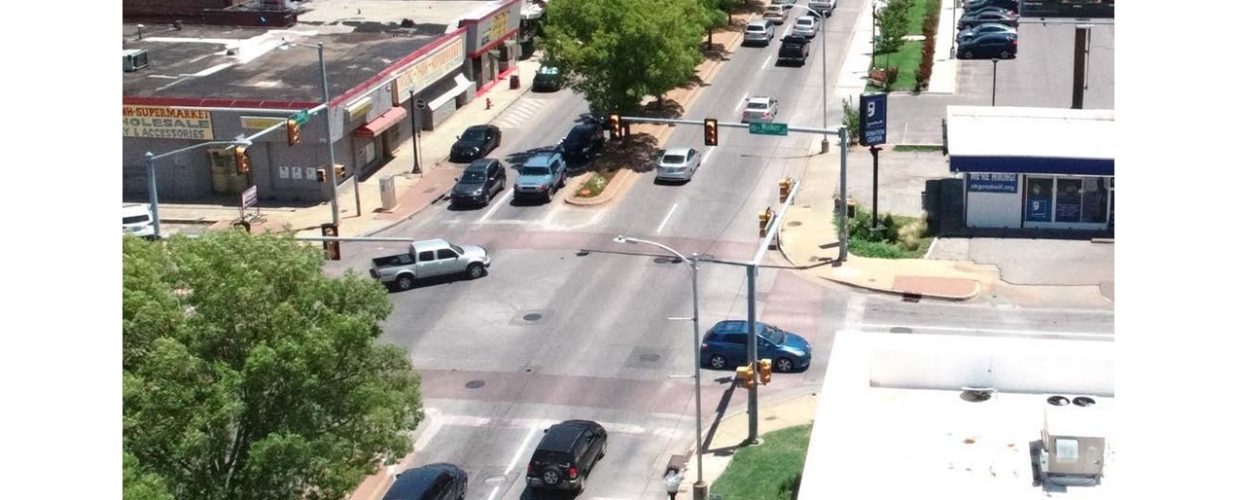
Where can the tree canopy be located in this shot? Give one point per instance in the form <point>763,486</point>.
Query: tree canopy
<point>617,52</point>
<point>248,373</point>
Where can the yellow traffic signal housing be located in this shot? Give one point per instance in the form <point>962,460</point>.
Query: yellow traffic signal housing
<point>765,220</point>
<point>765,371</point>
<point>746,374</point>
<point>785,184</point>
<point>709,132</point>
<point>293,132</point>
<point>340,171</point>
<point>331,247</point>
<point>321,175</point>
<point>242,160</point>
<point>615,125</point>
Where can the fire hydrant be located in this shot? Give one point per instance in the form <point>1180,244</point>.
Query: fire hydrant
<point>488,103</point>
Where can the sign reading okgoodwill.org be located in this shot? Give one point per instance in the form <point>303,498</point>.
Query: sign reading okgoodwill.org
<point>167,123</point>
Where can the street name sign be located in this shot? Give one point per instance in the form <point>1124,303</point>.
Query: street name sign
<point>300,117</point>
<point>769,128</point>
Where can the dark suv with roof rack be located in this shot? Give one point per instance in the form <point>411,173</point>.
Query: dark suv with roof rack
<point>566,455</point>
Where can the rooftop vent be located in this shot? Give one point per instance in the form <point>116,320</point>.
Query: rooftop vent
<point>1073,445</point>
<point>135,59</point>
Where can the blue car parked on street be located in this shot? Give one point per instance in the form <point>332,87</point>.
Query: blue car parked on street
<point>724,346</point>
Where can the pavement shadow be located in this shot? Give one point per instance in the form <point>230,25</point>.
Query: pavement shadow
<point>428,282</point>
<point>662,108</point>
<point>515,160</point>
<point>531,494</point>
<point>638,152</point>
<point>721,407</point>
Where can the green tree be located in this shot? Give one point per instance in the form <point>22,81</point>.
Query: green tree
<point>893,23</point>
<point>248,373</point>
<point>617,52</point>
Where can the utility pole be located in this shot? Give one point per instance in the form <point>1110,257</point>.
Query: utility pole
<point>1079,57</point>
<point>752,356</point>
<point>994,78</point>
<point>330,177</point>
<point>875,183</point>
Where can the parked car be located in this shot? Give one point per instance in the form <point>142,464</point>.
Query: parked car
<point>678,164</point>
<point>794,49</point>
<point>429,258</point>
<point>823,6</point>
<point>479,183</point>
<point>541,176</point>
<point>583,142</point>
<point>1012,5</point>
<point>566,455</point>
<point>989,8</point>
<point>724,346</point>
<point>429,482</point>
<point>983,29</point>
<point>760,110</point>
<point>805,26</point>
<point>969,21</point>
<point>784,2</point>
<point>137,220</point>
<point>475,143</point>
<point>548,78</point>
<point>988,46</point>
<point>775,13</point>
<point>759,31</point>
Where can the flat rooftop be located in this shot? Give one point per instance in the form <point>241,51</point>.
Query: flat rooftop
<point>444,12</point>
<point>987,138</point>
<point>195,63</point>
<point>890,424</point>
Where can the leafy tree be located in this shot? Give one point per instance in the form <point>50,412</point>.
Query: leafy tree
<point>250,374</point>
<point>893,23</point>
<point>716,15</point>
<point>616,52</point>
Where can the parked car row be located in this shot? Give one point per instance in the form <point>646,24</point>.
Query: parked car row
<point>987,30</point>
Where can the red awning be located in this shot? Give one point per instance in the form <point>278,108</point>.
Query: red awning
<point>381,123</point>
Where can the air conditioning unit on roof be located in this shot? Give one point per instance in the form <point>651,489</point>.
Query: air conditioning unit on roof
<point>1073,445</point>
<point>135,59</point>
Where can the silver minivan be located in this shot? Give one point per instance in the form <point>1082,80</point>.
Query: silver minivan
<point>759,31</point>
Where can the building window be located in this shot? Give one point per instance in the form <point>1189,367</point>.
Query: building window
<point>368,153</point>
<point>1068,200</point>
<point>1093,199</point>
<point>1038,195</point>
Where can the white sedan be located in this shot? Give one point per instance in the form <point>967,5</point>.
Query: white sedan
<point>678,164</point>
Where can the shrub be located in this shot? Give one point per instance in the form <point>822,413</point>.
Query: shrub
<point>892,73</point>
<point>850,119</point>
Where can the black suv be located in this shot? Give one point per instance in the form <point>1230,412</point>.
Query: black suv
<point>430,482</point>
<point>566,455</point>
<point>583,142</point>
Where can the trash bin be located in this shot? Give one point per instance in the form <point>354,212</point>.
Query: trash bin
<point>514,81</point>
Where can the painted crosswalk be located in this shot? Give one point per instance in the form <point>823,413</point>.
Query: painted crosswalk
<point>520,113</point>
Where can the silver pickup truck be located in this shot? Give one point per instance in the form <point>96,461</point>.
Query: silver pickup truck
<point>429,258</point>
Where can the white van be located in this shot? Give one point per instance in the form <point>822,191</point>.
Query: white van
<point>137,220</point>
<point>759,31</point>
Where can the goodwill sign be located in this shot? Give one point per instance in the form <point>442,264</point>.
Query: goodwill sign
<point>163,122</point>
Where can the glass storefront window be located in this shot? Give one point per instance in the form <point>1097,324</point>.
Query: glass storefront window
<point>1038,194</point>
<point>1093,204</point>
<point>1068,200</point>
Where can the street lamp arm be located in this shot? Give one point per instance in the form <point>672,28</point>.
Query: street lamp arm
<point>627,239</point>
<point>201,145</point>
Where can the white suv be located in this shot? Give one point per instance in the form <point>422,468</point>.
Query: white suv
<point>824,6</point>
<point>760,31</point>
<point>760,110</point>
<point>137,220</point>
<point>805,26</point>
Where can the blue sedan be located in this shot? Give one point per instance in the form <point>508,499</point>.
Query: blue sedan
<point>725,345</point>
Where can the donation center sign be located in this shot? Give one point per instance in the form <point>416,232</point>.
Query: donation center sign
<point>162,122</point>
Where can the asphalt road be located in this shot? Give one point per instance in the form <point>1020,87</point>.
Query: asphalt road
<point>554,332</point>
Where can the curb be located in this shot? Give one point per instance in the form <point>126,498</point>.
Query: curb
<point>976,290</point>
<point>396,222</point>
<point>617,185</point>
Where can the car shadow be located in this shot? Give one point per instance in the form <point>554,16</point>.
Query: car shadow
<point>530,202</point>
<point>670,182</point>
<point>517,159</point>
<point>531,494</point>
<point>428,282</point>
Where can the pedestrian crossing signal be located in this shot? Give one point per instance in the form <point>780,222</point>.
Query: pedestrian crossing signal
<point>242,160</point>
<point>293,132</point>
<point>321,175</point>
<point>709,132</point>
<point>615,125</point>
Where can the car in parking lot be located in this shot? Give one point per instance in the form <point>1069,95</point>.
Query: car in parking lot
<point>1012,5</point>
<point>475,143</point>
<point>136,219</point>
<point>548,78</point>
<point>983,29</point>
<point>989,8</point>
<point>759,31</point>
<point>725,346</point>
<point>430,482</point>
<point>988,46</point>
<point>805,26</point>
<point>678,164</point>
<point>583,142</point>
<point>566,455</point>
<point>479,183</point>
<point>760,109</point>
<point>541,176</point>
<point>969,21</point>
<point>775,13</point>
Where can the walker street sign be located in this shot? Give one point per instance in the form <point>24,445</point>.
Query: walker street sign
<point>769,128</point>
<point>300,117</point>
<point>873,118</point>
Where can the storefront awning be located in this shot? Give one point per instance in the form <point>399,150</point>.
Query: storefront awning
<point>1027,140</point>
<point>381,123</point>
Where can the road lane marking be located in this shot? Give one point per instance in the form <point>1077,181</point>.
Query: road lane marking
<point>522,448</point>
<point>741,102</point>
<point>709,153</point>
<point>666,219</point>
<point>855,311</point>
<point>501,201</point>
<point>766,61</point>
<point>997,331</point>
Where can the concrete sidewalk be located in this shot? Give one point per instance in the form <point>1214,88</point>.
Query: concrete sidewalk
<point>414,192</point>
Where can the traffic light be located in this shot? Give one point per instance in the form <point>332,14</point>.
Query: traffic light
<point>746,374</point>
<point>242,160</point>
<point>709,132</point>
<point>765,371</point>
<point>331,247</point>
<point>615,125</point>
<point>785,184</point>
<point>340,172</point>
<point>321,175</point>
<point>293,132</point>
<point>765,220</point>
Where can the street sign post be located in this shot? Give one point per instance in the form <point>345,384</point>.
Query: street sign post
<point>873,118</point>
<point>247,199</point>
<point>769,128</point>
<point>420,104</point>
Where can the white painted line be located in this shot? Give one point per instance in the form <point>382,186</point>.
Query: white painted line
<point>855,311</point>
<point>706,155</point>
<point>501,201</point>
<point>666,219</point>
<point>493,494</point>
<point>519,454</point>
<point>741,102</point>
<point>768,60</point>
<point>1093,335</point>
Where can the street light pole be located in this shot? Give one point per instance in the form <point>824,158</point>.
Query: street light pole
<point>994,78</point>
<point>953,51</point>
<point>154,193</point>
<point>334,186</point>
<point>700,487</point>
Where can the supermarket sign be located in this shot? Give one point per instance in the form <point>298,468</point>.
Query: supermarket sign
<point>161,122</point>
